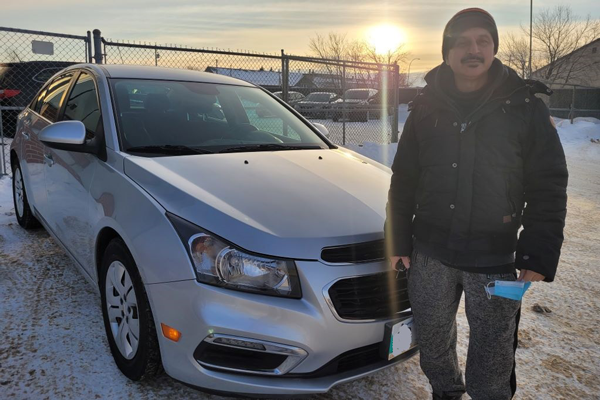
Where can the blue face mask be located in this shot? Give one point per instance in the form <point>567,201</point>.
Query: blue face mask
<point>509,289</point>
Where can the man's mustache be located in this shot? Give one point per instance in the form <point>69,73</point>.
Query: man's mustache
<point>471,58</point>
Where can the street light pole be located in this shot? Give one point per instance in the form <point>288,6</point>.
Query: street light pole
<point>408,74</point>
<point>530,34</point>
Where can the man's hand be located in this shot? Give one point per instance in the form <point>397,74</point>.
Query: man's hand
<point>394,262</point>
<point>530,276</point>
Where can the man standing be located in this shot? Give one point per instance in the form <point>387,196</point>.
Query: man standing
<point>478,157</point>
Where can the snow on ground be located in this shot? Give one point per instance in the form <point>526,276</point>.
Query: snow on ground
<point>53,343</point>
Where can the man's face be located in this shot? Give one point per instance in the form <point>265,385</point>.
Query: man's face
<point>472,54</point>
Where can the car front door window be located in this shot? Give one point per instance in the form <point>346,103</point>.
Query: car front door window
<point>83,104</point>
<point>54,97</point>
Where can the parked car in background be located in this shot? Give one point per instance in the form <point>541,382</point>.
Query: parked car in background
<point>19,82</point>
<point>355,104</point>
<point>293,97</point>
<point>244,254</point>
<point>316,104</point>
<point>381,103</point>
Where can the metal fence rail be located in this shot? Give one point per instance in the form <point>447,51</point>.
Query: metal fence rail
<point>27,60</point>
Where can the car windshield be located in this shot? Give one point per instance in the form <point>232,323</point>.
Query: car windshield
<point>357,95</point>
<point>318,97</point>
<point>174,117</point>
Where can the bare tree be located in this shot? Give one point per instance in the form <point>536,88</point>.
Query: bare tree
<point>558,33</point>
<point>395,56</point>
<point>336,46</point>
<point>13,56</point>
<point>514,52</point>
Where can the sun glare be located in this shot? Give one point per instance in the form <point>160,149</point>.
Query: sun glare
<point>385,38</point>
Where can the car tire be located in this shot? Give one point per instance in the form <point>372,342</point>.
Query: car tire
<point>23,212</point>
<point>119,279</point>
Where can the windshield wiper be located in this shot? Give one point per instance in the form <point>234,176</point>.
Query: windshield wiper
<point>268,147</point>
<point>168,149</point>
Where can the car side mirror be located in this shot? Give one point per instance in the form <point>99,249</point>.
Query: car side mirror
<point>322,128</point>
<point>71,136</point>
<point>63,133</point>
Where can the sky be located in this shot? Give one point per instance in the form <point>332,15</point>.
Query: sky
<point>266,25</point>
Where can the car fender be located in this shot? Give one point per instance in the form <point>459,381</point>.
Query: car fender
<point>122,205</point>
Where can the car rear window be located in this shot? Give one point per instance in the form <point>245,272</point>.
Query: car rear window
<point>357,94</point>
<point>319,97</point>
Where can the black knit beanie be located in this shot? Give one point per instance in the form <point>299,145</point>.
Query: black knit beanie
<point>467,19</point>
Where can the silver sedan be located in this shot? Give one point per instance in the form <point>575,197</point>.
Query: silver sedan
<point>231,242</point>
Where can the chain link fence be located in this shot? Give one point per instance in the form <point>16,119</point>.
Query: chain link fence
<point>27,60</point>
<point>356,101</point>
<point>574,101</point>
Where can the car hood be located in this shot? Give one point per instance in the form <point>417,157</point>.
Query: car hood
<point>282,203</point>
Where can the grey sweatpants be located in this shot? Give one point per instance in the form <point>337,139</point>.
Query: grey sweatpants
<point>435,291</point>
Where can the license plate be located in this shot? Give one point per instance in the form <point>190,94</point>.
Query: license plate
<point>398,338</point>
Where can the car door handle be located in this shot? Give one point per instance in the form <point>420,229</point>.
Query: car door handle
<point>25,135</point>
<point>48,159</point>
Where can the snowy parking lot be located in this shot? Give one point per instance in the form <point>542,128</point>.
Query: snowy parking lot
<point>54,345</point>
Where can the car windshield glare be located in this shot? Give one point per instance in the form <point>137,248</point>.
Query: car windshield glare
<point>204,116</point>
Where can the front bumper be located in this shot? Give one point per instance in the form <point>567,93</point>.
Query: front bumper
<point>199,310</point>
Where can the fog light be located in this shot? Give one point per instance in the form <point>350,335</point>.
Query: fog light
<point>239,343</point>
<point>170,333</point>
<point>246,355</point>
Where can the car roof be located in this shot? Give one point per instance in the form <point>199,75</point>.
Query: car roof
<point>160,73</point>
<point>45,64</point>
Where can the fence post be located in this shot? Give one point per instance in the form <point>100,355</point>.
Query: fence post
<point>89,47</point>
<point>285,65</point>
<point>2,144</point>
<point>97,46</point>
<point>572,112</point>
<point>395,101</point>
<point>344,111</point>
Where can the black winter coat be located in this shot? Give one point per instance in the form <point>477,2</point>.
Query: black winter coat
<point>468,184</point>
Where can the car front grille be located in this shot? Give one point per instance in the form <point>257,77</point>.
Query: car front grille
<point>377,296</point>
<point>355,253</point>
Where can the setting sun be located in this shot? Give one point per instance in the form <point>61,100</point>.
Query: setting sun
<point>385,38</point>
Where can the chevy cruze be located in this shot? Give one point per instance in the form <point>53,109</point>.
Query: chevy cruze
<point>231,242</point>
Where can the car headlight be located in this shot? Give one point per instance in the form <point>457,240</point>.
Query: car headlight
<point>220,263</point>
